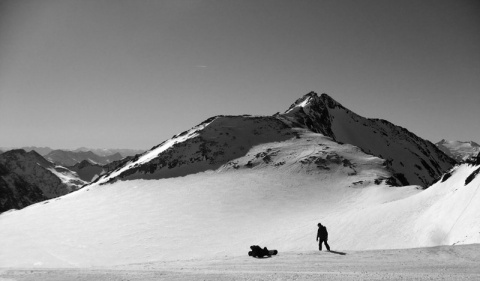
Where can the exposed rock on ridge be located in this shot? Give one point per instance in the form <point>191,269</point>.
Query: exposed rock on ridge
<point>412,159</point>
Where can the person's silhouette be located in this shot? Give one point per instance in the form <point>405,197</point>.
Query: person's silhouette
<point>322,237</point>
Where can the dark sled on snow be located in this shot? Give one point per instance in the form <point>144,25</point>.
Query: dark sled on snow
<point>258,252</point>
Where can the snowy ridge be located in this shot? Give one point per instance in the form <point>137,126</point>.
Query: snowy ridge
<point>155,151</point>
<point>412,159</point>
<point>302,102</point>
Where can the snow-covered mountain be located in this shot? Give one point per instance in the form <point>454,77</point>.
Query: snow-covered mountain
<point>235,181</point>
<point>459,150</point>
<point>27,178</point>
<point>70,158</point>
<point>221,139</point>
<point>275,200</point>
<point>412,159</point>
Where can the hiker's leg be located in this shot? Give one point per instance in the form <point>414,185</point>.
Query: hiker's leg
<point>320,244</point>
<point>326,245</point>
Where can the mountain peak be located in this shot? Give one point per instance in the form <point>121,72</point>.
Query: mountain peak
<point>313,100</point>
<point>401,149</point>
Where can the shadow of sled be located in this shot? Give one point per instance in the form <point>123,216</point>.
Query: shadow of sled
<point>338,253</point>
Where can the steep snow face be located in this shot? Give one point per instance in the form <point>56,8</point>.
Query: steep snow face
<point>412,159</point>
<point>459,150</point>
<point>205,147</point>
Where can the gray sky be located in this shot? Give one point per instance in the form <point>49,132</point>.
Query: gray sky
<point>131,74</point>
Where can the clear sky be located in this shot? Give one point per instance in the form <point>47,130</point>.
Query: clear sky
<point>130,74</point>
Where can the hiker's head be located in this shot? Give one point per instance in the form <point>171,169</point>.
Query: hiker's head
<point>319,224</point>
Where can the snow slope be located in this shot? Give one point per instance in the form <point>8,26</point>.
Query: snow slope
<point>274,195</point>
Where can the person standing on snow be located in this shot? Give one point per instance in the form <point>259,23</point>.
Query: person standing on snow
<point>322,237</point>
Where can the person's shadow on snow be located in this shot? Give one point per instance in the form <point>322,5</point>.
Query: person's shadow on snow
<point>338,253</point>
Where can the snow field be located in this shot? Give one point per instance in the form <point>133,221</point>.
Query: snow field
<point>218,214</point>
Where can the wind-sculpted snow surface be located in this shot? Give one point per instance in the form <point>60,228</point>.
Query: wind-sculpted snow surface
<point>412,159</point>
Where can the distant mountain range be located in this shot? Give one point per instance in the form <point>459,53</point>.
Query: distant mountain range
<point>459,150</point>
<point>70,158</point>
<point>111,151</point>
<point>98,151</point>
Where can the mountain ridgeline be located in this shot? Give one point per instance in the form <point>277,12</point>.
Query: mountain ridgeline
<point>220,140</point>
<point>70,158</point>
<point>412,159</point>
